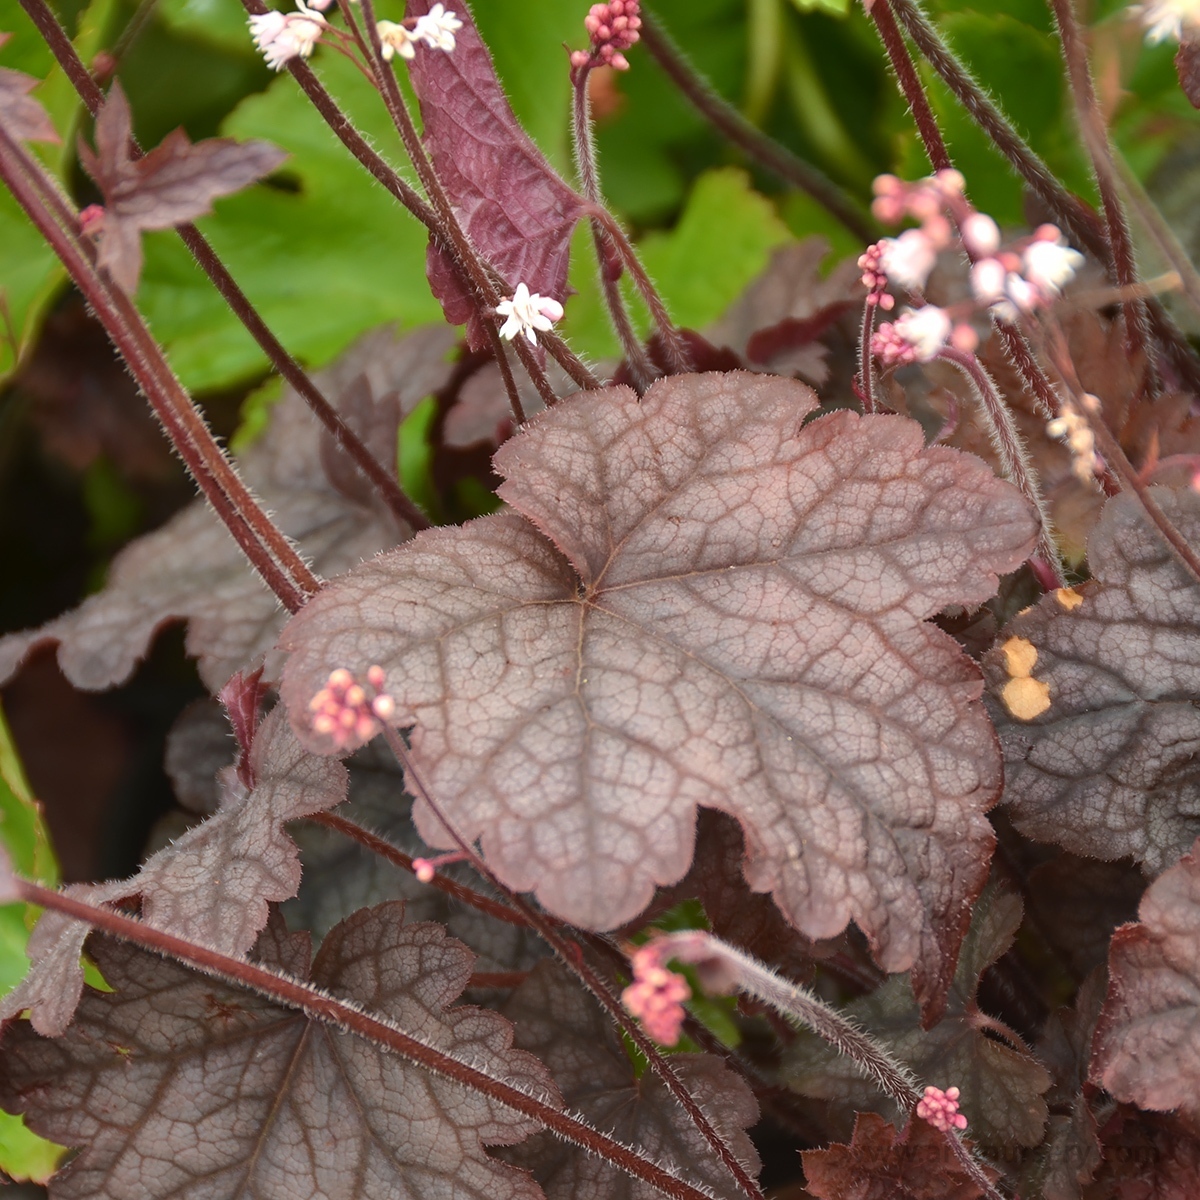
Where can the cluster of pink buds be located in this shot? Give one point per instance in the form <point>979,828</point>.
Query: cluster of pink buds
<point>940,1109</point>
<point>613,28</point>
<point>656,994</point>
<point>1009,281</point>
<point>349,713</point>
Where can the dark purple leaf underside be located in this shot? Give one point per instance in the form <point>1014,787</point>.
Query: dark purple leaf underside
<point>516,211</point>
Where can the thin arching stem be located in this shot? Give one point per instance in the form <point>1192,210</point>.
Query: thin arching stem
<point>383,480</point>
<point>267,548</point>
<point>764,150</point>
<point>1095,137</point>
<point>641,368</point>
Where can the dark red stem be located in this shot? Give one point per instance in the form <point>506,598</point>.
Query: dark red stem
<point>746,136</point>
<point>293,993</point>
<point>385,850</point>
<point>582,971</point>
<point>383,480</point>
<point>267,548</point>
<point>1095,137</point>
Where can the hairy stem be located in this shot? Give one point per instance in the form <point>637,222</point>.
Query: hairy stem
<point>640,367</point>
<point>582,971</point>
<point>1069,210</point>
<point>1095,137</point>
<point>383,480</point>
<point>746,136</point>
<point>910,85</point>
<point>866,360</point>
<point>379,169</point>
<point>1006,439</point>
<point>267,548</point>
<point>393,854</point>
<point>320,1006</point>
<point>739,970</point>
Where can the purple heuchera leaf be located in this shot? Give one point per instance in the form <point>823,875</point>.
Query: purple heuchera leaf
<point>1145,1049</point>
<point>211,885</point>
<point>560,1023</point>
<point>192,569</point>
<point>174,184</point>
<point>881,1163</point>
<point>22,116</point>
<point>700,602</point>
<point>1094,694</point>
<point>516,211</point>
<point>177,1085</point>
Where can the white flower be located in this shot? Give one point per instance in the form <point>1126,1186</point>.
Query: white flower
<point>924,329</point>
<point>1049,265</point>
<point>981,234</point>
<point>396,39</point>
<point>988,277</point>
<point>284,36</point>
<point>527,312</point>
<point>1167,18</point>
<point>437,28</point>
<point>908,259</point>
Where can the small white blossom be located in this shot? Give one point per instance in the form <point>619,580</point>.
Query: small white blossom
<point>988,277</point>
<point>908,259</point>
<point>396,39</point>
<point>926,330</point>
<point>284,36</point>
<point>1050,265</point>
<point>1167,18</point>
<point>527,312</point>
<point>981,234</point>
<point>437,28</point>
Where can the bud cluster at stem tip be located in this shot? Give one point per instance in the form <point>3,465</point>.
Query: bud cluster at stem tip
<point>348,712</point>
<point>613,28</point>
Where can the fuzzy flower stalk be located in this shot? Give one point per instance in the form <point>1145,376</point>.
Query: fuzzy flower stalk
<point>723,968</point>
<point>348,712</point>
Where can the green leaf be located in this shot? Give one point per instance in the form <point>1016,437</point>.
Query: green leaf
<point>835,8</point>
<point>23,1155</point>
<point>323,263</point>
<point>722,242</point>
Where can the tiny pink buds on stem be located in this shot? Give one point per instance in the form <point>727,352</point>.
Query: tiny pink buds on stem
<point>613,28</point>
<point>344,711</point>
<point>426,868</point>
<point>874,278</point>
<point>940,1109</point>
<point>657,994</point>
<point>915,336</point>
<point>527,313</point>
<point>280,37</point>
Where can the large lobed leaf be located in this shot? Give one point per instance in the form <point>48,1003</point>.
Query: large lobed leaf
<point>192,569</point>
<point>516,211</point>
<point>175,1085</point>
<point>1108,766</point>
<point>560,1023</point>
<point>699,601</point>
<point>883,1164</point>
<point>1146,1049</point>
